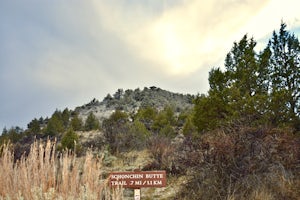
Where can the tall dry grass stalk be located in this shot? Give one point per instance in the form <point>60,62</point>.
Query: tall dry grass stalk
<point>45,174</point>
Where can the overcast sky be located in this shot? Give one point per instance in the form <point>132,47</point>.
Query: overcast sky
<point>56,54</point>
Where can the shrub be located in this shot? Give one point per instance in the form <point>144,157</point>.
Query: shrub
<point>162,152</point>
<point>244,163</point>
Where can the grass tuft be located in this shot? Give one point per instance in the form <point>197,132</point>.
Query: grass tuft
<point>45,174</point>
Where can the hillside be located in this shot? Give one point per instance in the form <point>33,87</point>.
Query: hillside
<point>130,101</point>
<point>131,145</point>
<point>152,129</point>
<point>241,140</point>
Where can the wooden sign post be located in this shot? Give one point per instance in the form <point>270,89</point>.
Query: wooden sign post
<point>137,194</point>
<point>138,180</point>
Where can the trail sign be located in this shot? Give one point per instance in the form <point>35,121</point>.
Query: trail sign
<point>138,179</point>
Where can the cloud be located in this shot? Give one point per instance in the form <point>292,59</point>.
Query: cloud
<point>270,16</point>
<point>182,38</point>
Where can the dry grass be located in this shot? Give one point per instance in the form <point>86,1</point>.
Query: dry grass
<point>45,174</point>
<point>246,163</point>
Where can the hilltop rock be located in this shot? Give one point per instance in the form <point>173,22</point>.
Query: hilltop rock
<point>131,100</point>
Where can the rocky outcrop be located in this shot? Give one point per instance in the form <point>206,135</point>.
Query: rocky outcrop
<point>131,100</point>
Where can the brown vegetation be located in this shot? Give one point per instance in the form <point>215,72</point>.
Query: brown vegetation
<point>244,163</point>
<point>44,174</point>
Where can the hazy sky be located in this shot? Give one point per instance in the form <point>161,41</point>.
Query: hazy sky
<point>56,54</point>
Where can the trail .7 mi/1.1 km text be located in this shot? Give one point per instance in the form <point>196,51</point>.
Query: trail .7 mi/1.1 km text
<point>138,179</point>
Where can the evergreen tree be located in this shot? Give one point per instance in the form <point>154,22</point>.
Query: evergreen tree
<point>76,123</point>
<point>69,139</point>
<point>285,71</point>
<point>34,126</point>
<point>139,130</point>
<point>14,134</point>
<point>164,121</point>
<point>55,124</point>
<point>91,123</point>
<point>137,135</point>
<point>146,114</point>
<point>189,129</point>
<point>65,115</point>
<point>4,131</point>
<point>119,94</point>
<point>209,111</point>
<point>115,129</point>
<point>254,88</point>
<point>241,65</point>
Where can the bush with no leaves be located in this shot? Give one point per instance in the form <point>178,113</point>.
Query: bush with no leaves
<point>243,163</point>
